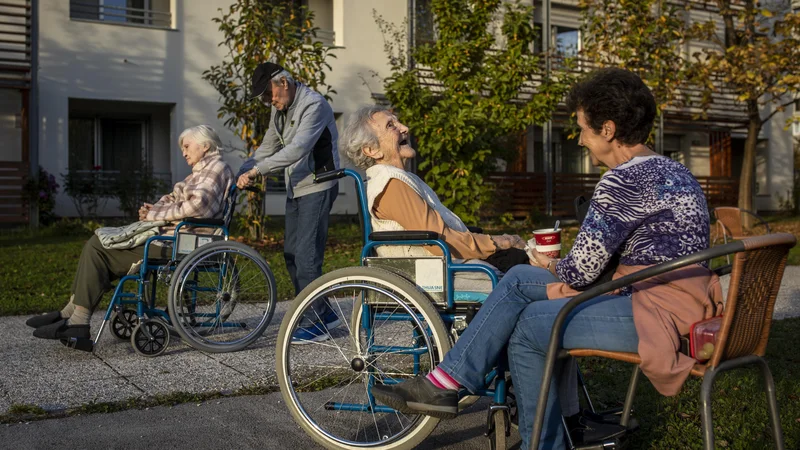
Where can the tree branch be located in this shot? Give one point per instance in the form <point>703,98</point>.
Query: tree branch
<point>777,110</point>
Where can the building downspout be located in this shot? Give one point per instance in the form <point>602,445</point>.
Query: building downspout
<point>547,138</point>
<point>33,110</point>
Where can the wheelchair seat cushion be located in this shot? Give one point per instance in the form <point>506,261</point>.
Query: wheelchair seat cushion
<point>473,286</point>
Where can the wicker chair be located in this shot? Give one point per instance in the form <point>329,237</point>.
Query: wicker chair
<point>755,279</point>
<point>729,222</point>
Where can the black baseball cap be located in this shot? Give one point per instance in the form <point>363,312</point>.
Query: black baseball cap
<point>261,78</point>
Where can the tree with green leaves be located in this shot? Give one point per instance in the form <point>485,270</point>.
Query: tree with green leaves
<point>755,52</point>
<point>257,31</point>
<point>644,36</point>
<point>477,83</point>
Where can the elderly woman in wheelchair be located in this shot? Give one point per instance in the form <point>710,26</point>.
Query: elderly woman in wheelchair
<point>647,208</point>
<point>399,200</point>
<point>201,195</point>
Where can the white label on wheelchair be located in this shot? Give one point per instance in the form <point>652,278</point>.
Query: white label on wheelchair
<point>429,274</point>
<point>188,242</point>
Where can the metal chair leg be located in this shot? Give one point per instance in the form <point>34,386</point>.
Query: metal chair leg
<point>769,385</point>
<point>628,407</point>
<point>772,404</point>
<point>706,419</point>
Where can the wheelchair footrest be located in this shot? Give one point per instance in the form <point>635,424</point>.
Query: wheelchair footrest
<point>604,445</point>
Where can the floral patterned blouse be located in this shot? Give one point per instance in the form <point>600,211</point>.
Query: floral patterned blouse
<point>650,210</point>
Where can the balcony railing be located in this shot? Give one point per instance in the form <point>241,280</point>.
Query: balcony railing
<point>148,16</point>
<point>15,44</point>
<point>13,200</point>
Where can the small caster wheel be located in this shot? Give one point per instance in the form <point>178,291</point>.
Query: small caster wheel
<point>150,338</point>
<point>123,323</point>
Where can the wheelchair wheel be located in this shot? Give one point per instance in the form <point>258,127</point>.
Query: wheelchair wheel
<point>498,439</point>
<point>222,297</point>
<point>123,323</point>
<point>150,337</point>
<point>464,401</point>
<point>397,335</point>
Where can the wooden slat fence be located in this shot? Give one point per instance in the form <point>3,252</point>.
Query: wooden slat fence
<point>13,202</point>
<point>523,194</point>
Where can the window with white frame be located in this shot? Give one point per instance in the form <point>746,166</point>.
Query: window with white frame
<point>153,13</point>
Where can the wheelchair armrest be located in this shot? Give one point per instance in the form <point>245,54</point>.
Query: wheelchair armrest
<point>206,222</point>
<point>405,235</point>
<point>475,229</point>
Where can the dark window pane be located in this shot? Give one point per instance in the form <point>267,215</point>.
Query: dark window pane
<point>122,145</point>
<point>84,9</point>
<point>81,144</point>
<point>424,31</point>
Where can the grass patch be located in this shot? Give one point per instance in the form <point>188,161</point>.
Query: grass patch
<point>39,265</point>
<point>20,413</point>
<point>739,404</point>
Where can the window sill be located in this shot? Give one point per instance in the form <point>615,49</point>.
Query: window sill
<point>125,24</point>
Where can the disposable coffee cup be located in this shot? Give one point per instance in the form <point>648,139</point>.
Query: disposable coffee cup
<point>548,242</point>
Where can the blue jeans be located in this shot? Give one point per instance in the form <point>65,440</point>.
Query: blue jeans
<point>305,237</point>
<point>477,350</point>
<point>603,323</point>
<point>515,314</point>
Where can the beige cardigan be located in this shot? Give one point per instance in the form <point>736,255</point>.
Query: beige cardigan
<point>664,308</point>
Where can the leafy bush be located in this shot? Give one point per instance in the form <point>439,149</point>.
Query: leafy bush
<point>133,189</point>
<point>43,190</point>
<point>89,190</point>
<point>468,91</point>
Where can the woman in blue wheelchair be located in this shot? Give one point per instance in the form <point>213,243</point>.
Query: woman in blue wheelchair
<point>399,200</point>
<point>648,209</point>
<point>200,195</point>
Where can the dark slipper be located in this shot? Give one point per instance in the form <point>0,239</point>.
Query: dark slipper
<point>44,319</point>
<point>60,330</point>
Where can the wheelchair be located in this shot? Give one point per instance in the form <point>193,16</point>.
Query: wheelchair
<point>399,316</point>
<point>220,294</point>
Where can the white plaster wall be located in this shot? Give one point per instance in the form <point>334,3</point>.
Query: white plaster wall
<point>778,163</point>
<point>101,61</point>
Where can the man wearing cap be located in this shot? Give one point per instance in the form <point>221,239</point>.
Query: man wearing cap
<point>302,140</point>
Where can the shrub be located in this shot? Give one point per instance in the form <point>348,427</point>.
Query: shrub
<point>43,190</point>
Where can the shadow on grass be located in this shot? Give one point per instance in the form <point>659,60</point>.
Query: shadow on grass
<point>738,400</point>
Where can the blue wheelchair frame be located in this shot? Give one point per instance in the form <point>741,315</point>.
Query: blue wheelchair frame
<point>153,271</point>
<point>414,238</point>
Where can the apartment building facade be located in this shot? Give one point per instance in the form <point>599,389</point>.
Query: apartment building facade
<point>112,83</point>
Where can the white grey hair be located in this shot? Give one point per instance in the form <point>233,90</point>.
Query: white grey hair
<point>359,134</point>
<point>282,74</point>
<point>204,135</point>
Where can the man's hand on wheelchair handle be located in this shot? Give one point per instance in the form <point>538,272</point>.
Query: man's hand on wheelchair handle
<point>246,178</point>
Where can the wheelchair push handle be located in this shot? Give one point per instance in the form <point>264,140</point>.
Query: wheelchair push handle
<point>329,176</point>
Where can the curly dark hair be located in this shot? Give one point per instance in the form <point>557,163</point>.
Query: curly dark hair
<point>617,95</point>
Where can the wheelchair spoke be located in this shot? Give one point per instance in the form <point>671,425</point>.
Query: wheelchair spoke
<point>379,341</point>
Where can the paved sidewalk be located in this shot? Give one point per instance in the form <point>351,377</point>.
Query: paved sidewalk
<point>46,374</point>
